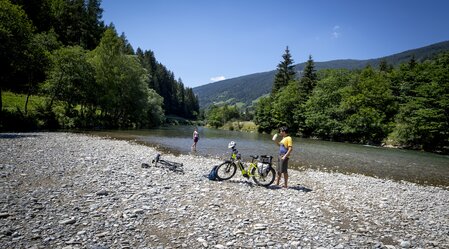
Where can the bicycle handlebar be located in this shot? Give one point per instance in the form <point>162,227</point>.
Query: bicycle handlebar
<point>254,157</point>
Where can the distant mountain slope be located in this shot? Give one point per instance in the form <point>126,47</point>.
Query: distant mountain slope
<point>246,89</point>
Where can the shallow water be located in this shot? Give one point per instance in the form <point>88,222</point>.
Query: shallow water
<point>387,163</point>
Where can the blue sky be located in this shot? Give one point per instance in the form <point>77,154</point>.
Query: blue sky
<point>202,41</point>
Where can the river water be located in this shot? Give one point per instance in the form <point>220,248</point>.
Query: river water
<point>386,163</point>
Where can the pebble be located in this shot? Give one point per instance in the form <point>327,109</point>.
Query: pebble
<point>71,190</point>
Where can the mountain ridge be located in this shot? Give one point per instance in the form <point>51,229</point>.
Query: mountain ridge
<point>248,88</point>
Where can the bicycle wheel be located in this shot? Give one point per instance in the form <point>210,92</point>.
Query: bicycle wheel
<point>263,180</point>
<point>226,170</point>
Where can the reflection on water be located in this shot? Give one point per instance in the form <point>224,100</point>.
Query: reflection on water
<point>414,166</point>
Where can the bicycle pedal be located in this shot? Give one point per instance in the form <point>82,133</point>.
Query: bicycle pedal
<point>246,175</point>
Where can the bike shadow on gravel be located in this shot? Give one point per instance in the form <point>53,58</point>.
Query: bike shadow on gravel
<point>272,187</point>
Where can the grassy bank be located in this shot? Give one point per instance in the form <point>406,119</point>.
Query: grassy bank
<point>247,126</point>
<point>15,102</point>
<point>16,115</point>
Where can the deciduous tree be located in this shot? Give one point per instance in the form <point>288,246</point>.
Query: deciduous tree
<point>16,32</point>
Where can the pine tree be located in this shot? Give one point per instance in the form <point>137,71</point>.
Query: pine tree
<point>412,63</point>
<point>93,25</point>
<point>285,72</point>
<point>384,66</point>
<point>308,79</point>
<point>306,85</point>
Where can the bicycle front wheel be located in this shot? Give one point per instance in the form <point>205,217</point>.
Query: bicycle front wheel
<point>226,170</point>
<point>265,179</point>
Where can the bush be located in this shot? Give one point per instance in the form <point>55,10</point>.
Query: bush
<point>17,121</point>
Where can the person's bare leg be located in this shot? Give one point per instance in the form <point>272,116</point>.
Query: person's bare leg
<point>286,180</point>
<point>278,178</point>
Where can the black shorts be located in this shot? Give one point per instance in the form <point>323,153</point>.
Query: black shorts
<point>195,139</point>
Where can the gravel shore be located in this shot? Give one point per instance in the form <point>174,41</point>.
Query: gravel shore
<point>65,190</point>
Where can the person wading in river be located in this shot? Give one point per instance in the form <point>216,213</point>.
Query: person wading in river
<point>285,148</point>
<point>195,139</point>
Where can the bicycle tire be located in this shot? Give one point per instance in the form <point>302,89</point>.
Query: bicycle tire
<point>263,180</point>
<point>226,170</point>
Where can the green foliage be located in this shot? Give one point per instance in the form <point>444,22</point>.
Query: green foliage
<point>408,106</point>
<point>322,111</point>
<point>71,82</point>
<point>155,112</point>
<point>16,32</point>
<point>217,116</point>
<point>104,87</point>
<point>178,100</point>
<point>285,72</point>
<point>368,107</point>
<point>76,22</point>
<point>15,102</point>
<point>247,126</point>
<point>423,118</point>
<point>71,78</point>
<point>285,102</point>
<point>308,80</point>
<point>262,116</point>
<point>306,85</point>
<point>122,83</point>
<point>14,117</point>
<point>310,72</point>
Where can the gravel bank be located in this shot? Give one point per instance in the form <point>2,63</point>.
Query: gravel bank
<point>63,190</point>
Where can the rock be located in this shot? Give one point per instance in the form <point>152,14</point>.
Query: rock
<point>405,244</point>
<point>103,193</point>
<point>68,221</point>
<point>4,215</point>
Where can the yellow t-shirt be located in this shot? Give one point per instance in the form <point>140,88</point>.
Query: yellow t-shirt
<point>284,144</point>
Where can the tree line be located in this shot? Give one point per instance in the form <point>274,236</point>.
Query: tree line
<point>406,106</point>
<point>90,76</point>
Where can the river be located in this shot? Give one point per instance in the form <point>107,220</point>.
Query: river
<point>386,163</point>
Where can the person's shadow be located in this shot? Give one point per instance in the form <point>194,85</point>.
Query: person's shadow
<point>297,187</point>
<point>272,186</point>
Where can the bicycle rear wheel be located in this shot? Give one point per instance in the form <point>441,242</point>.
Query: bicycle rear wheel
<point>226,170</point>
<point>265,179</point>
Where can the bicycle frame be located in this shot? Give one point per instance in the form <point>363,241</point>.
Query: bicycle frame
<point>265,160</point>
<point>173,166</point>
<point>259,169</point>
<point>236,159</point>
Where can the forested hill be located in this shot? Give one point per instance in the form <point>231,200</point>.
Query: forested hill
<point>246,89</point>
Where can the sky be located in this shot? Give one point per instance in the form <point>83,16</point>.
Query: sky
<point>204,41</point>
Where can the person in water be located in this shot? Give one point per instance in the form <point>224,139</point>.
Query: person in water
<point>285,148</point>
<point>195,139</point>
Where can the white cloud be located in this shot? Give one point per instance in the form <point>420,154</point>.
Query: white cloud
<point>336,32</point>
<point>217,78</point>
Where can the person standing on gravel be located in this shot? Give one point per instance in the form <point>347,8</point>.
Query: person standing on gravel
<point>285,148</point>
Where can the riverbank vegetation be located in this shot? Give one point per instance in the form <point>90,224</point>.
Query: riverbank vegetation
<point>84,74</point>
<point>406,106</point>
